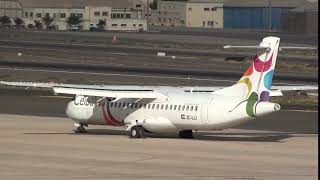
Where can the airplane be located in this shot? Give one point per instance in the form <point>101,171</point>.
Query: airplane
<point>159,109</point>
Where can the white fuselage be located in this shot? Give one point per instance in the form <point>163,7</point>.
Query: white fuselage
<point>180,111</point>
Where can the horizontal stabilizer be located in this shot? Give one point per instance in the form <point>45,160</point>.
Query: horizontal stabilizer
<point>245,47</point>
<point>297,48</point>
<point>266,47</point>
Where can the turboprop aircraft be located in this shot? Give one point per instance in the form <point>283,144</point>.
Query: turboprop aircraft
<point>158,109</point>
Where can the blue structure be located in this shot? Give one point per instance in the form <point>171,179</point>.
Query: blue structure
<point>252,17</point>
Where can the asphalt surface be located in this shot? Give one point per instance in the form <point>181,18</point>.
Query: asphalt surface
<point>42,103</point>
<point>133,49</point>
<point>38,148</point>
<point>214,37</point>
<point>237,34</point>
<point>64,57</point>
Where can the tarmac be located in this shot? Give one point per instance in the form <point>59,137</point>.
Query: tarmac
<point>46,148</point>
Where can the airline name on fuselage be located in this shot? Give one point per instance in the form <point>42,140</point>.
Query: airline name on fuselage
<point>82,101</point>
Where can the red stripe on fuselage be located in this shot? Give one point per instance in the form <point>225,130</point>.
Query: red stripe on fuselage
<point>110,120</point>
<point>106,117</point>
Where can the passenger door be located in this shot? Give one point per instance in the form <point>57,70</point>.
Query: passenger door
<point>205,111</point>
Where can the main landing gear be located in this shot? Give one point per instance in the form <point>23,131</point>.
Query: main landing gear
<point>137,132</point>
<point>186,134</point>
<point>80,128</point>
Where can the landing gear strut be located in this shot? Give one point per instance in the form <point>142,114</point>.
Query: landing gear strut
<point>137,132</point>
<point>186,134</point>
<point>80,128</point>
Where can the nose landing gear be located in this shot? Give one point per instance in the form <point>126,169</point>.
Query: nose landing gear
<point>80,129</point>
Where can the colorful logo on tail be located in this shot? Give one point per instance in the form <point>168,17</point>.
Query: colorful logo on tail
<point>258,68</point>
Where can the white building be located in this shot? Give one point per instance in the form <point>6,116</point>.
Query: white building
<point>192,13</point>
<point>118,15</point>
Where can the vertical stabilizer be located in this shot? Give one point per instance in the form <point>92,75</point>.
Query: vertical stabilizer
<point>256,81</point>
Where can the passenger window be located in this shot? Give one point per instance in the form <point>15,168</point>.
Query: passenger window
<point>170,107</point>
<point>187,108</point>
<point>140,105</point>
<point>161,106</point>
<point>111,104</point>
<point>196,108</point>
<point>175,107</point>
<point>179,107</point>
<point>115,105</point>
<point>149,106</point>
<point>166,106</point>
<point>183,108</point>
<point>136,105</point>
<point>119,105</point>
<point>131,105</point>
<point>158,106</point>
<point>153,106</point>
<point>191,108</point>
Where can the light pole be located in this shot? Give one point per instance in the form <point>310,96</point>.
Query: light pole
<point>270,16</point>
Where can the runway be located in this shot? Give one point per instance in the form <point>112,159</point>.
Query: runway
<point>93,61</point>
<point>98,59</point>
<point>45,148</point>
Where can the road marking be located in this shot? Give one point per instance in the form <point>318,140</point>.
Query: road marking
<point>59,97</point>
<point>120,54</point>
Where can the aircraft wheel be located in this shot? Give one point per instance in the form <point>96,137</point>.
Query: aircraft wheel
<point>80,129</point>
<point>186,134</point>
<point>137,132</point>
<point>141,132</point>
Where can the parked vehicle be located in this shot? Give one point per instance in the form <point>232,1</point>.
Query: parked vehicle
<point>74,27</point>
<point>96,29</point>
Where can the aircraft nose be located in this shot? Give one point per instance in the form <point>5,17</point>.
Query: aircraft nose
<point>69,109</point>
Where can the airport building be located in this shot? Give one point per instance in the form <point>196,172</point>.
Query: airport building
<point>248,14</point>
<point>121,15</point>
<point>303,20</point>
<point>193,13</point>
<point>229,14</point>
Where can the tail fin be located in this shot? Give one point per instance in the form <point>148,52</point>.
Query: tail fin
<point>256,81</point>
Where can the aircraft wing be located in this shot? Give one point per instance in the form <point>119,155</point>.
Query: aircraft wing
<point>138,91</point>
<point>92,90</point>
<point>109,93</point>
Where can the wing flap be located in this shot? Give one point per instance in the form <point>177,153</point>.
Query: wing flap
<point>28,84</point>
